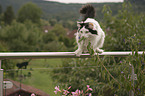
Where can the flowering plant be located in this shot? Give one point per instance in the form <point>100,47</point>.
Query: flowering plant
<point>76,93</point>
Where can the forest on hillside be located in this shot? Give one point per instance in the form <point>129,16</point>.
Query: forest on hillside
<point>57,10</point>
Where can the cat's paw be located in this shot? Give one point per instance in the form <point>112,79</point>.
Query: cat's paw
<point>78,52</point>
<point>100,50</point>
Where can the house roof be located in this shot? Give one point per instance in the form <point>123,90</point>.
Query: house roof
<point>24,88</point>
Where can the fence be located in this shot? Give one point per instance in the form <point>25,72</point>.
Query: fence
<point>47,55</point>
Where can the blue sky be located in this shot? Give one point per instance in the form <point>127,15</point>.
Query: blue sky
<point>85,1</point>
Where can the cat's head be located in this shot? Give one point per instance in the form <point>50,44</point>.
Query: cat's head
<point>86,28</point>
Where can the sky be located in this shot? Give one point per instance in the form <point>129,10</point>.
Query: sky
<point>86,1</point>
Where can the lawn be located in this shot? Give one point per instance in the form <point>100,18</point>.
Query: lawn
<point>40,74</point>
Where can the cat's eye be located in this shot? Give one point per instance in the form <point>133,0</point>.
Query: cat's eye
<point>87,31</point>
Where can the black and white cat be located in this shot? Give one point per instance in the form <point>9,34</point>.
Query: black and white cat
<point>89,31</point>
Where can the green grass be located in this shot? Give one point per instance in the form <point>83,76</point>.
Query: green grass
<point>41,78</point>
<point>44,63</point>
<point>42,81</point>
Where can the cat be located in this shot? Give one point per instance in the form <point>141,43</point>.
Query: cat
<point>89,31</point>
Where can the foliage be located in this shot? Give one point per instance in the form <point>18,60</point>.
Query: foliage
<point>59,30</point>
<point>54,46</point>
<point>21,37</point>
<point>0,9</point>
<point>28,36</point>
<point>56,39</point>
<point>29,11</point>
<point>9,15</point>
<point>110,76</point>
<point>3,47</point>
<point>107,76</point>
<point>123,26</point>
<point>8,64</point>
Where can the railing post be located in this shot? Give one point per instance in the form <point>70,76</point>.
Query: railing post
<point>1,80</point>
<point>133,78</point>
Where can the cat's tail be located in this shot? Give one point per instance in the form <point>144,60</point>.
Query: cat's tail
<point>87,11</point>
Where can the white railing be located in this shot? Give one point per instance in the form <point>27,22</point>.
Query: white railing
<point>46,55</point>
<point>39,55</point>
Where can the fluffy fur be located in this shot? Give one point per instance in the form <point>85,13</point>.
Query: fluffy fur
<point>87,11</point>
<point>89,31</point>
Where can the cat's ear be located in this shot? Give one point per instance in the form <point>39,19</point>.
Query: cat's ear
<point>91,25</point>
<point>78,25</point>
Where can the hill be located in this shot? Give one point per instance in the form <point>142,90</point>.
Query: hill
<point>55,9</point>
<point>63,11</point>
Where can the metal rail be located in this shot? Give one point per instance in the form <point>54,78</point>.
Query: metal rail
<point>40,55</point>
<point>44,55</point>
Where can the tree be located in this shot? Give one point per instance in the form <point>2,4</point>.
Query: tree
<point>49,37</point>
<point>9,15</point>
<point>59,30</point>
<point>30,12</point>
<point>122,26</point>
<point>1,10</point>
<point>3,47</point>
<point>21,37</point>
<point>52,22</point>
